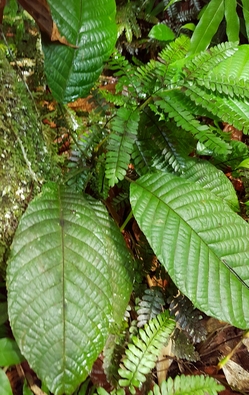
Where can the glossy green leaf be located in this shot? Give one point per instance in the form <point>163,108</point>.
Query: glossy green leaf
<point>201,242</point>
<point>209,177</point>
<point>232,20</point>
<point>244,163</point>
<point>5,384</point>
<point>90,26</point>
<point>161,32</point>
<point>189,26</point>
<point>207,26</point>
<point>9,352</point>
<point>68,281</point>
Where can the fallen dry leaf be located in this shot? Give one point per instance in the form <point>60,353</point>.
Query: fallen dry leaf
<point>236,376</point>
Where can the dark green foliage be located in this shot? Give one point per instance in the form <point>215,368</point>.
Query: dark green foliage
<point>187,317</point>
<point>150,306</point>
<point>120,144</point>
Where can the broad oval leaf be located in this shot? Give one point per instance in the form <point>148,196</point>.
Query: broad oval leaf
<point>90,27</point>
<point>62,281</point>
<point>201,242</point>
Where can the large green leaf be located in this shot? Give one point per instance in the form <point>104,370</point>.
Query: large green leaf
<point>232,20</point>
<point>68,281</point>
<point>201,242</point>
<point>90,26</point>
<point>209,177</point>
<point>207,26</point>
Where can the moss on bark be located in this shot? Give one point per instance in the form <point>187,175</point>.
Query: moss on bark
<point>25,161</point>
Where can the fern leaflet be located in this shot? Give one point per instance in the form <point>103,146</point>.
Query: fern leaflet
<point>231,110</point>
<point>141,356</point>
<point>120,144</point>
<point>188,385</point>
<point>207,60</point>
<point>225,85</point>
<point>175,106</point>
<point>150,305</point>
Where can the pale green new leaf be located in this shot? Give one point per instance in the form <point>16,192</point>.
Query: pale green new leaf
<point>61,285</point>
<point>201,242</point>
<point>207,26</point>
<point>90,27</point>
<point>188,385</point>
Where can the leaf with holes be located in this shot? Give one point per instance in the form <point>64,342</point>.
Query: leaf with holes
<point>64,285</point>
<point>201,242</point>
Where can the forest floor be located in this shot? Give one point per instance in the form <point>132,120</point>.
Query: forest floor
<point>221,340</point>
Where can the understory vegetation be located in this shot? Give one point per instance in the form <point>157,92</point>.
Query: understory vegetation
<point>124,254</point>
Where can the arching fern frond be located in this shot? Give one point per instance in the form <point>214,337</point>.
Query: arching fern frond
<point>176,106</point>
<point>229,86</point>
<point>188,385</point>
<point>230,110</point>
<point>141,356</point>
<point>174,51</point>
<point>207,60</point>
<point>187,317</point>
<point>150,305</point>
<point>120,144</point>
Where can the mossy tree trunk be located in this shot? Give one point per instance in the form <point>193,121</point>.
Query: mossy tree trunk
<point>26,162</point>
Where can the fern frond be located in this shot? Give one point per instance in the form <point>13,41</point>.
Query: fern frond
<point>174,51</point>
<point>228,109</point>
<point>118,100</point>
<point>141,356</point>
<point>225,85</point>
<point>120,144</point>
<point>146,74</point>
<point>187,317</point>
<point>188,385</point>
<point>207,60</point>
<point>141,158</point>
<point>150,305</point>
<point>127,21</point>
<point>125,71</point>
<point>183,347</point>
<point>175,105</point>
